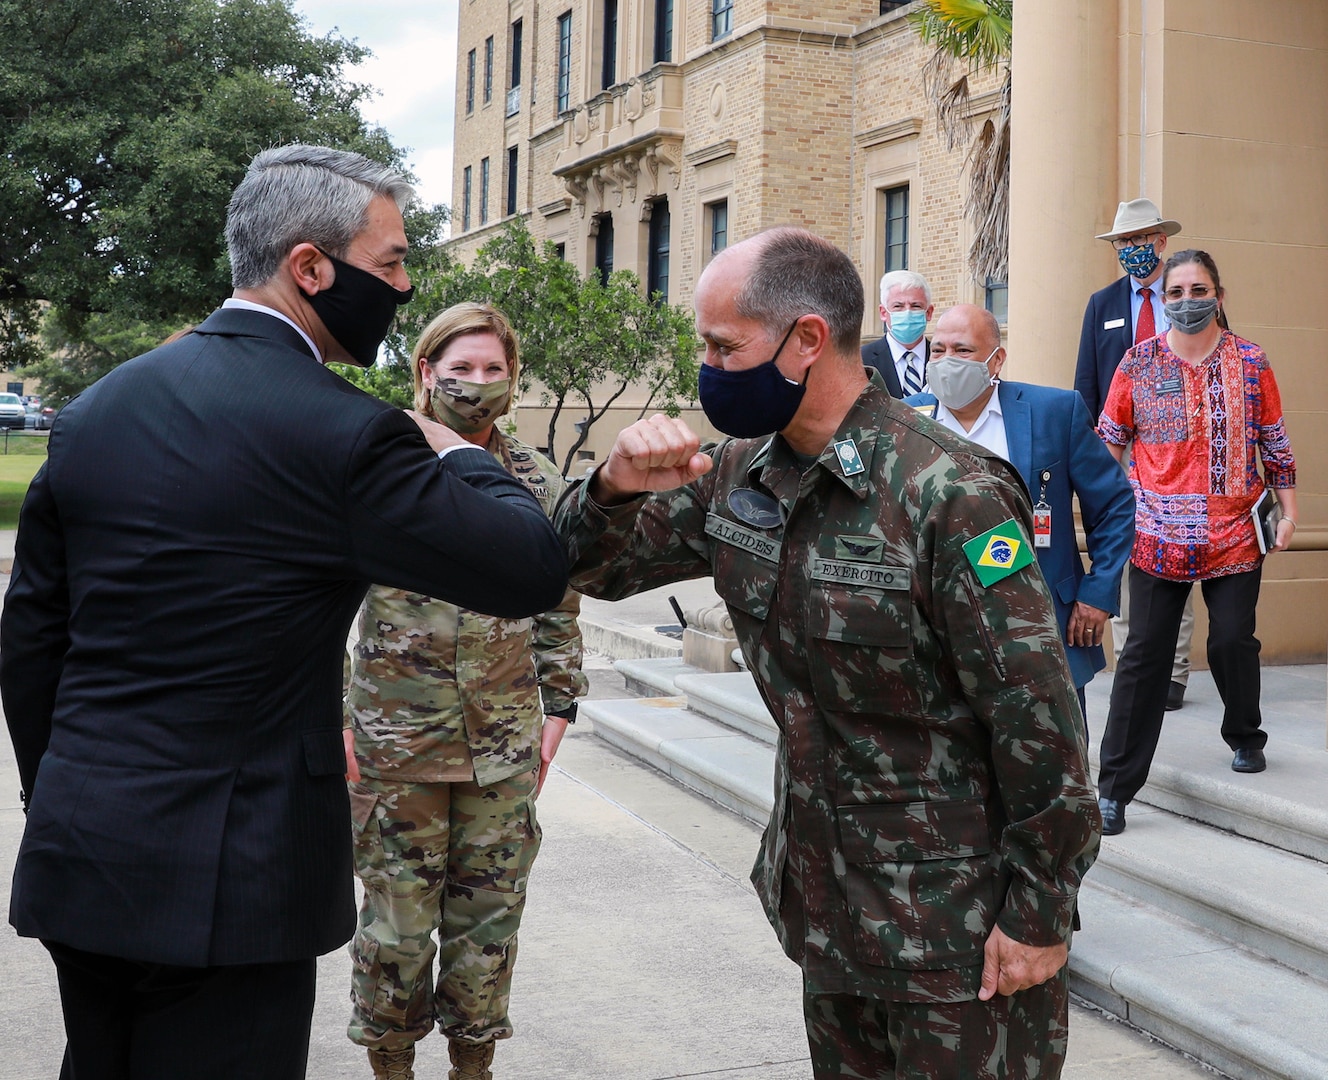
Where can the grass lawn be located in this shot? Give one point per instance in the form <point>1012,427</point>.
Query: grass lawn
<point>17,468</point>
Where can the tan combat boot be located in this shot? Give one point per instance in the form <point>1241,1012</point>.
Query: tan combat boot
<point>393,1064</point>
<point>470,1061</point>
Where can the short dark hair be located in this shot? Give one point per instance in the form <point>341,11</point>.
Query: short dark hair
<point>796,273</point>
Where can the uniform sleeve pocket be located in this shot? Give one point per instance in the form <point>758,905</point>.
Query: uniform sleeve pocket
<point>325,752</point>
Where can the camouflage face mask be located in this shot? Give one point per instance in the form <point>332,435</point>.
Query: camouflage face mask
<point>469,407</point>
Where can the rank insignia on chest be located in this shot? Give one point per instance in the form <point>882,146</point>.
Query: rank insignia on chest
<point>998,552</point>
<point>849,458</point>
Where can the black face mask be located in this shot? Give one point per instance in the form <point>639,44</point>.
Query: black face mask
<point>357,309</point>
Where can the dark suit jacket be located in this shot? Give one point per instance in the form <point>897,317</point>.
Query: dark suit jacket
<point>878,355</point>
<point>1100,348</point>
<point>189,560</point>
<point>1048,430</point>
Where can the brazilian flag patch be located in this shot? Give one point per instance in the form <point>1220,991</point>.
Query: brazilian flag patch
<point>998,553</point>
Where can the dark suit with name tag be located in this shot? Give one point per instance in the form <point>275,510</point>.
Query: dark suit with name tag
<point>188,563</point>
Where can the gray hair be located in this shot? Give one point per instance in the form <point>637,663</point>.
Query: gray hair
<point>903,279</point>
<point>796,273</point>
<point>302,194</point>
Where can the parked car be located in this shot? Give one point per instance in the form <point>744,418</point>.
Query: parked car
<point>45,418</point>
<point>12,413</point>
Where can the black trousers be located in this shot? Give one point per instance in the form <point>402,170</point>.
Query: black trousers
<point>1139,692</point>
<point>126,1020</point>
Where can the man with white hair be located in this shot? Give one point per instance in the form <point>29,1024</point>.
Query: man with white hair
<point>901,353</point>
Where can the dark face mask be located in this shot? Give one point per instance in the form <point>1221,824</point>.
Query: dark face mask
<point>357,309</point>
<point>751,403</point>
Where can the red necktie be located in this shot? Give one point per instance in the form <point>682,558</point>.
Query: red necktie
<point>1145,328</point>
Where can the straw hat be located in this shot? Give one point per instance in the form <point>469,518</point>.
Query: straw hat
<point>1136,216</point>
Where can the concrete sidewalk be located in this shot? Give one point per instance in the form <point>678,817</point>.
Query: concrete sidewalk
<point>644,953</point>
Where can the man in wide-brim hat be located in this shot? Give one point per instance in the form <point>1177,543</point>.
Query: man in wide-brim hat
<point>1126,312</point>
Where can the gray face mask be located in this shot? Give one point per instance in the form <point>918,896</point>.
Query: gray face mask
<point>1191,316</point>
<point>957,382</point>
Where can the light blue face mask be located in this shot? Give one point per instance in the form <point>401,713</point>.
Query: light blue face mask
<point>907,326</point>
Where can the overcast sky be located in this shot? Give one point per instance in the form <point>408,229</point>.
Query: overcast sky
<point>414,70</point>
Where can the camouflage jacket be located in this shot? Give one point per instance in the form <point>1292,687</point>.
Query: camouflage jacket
<point>931,775</point>
<point>439,693</point>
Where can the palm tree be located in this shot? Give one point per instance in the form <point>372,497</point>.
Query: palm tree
<point>969,37</point>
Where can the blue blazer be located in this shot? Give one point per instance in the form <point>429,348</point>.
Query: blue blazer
<point>1048,430</point>
<point>1100,348</point>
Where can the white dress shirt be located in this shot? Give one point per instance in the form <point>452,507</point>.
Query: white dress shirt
<point>988,429</point>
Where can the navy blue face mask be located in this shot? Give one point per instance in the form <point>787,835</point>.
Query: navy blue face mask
<point>751,403</point>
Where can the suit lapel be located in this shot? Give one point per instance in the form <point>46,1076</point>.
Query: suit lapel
<point>1018,429</point>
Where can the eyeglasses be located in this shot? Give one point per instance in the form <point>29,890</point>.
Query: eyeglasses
<point>1137,240</point>
<point>1196,292</point>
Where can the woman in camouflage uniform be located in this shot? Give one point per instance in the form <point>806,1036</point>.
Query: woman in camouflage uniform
<point>454,718</point>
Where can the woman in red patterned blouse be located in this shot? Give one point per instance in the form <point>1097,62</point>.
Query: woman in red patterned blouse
<point>1197,403</point>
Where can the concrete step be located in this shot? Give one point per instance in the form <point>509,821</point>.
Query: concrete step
<point>720,763</point>
<point>731,698</point>
<point>1228,1006</point>
<point>1250,894</point>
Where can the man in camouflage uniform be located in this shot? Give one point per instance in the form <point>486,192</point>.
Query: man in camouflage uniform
<point>447,708</point>
<point>933,813</point>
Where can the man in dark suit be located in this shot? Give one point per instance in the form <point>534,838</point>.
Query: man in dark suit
<point>1046,434</point>
<point>1128,311</point>
<point>188,563</point>
<point>900,355</point>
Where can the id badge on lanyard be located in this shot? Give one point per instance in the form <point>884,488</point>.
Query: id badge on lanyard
<point>1042,513</point>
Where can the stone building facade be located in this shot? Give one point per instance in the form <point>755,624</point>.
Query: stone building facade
<point>649,133</point>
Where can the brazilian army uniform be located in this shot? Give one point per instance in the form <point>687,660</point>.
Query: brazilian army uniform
<point>446,706</point>
<point>931,776</point>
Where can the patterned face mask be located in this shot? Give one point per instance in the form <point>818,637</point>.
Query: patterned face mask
<point>1138,261</point>
<point>469,407</point>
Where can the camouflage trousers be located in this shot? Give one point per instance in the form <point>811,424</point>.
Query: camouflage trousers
<point>446,857</point>
<point>1020,1037</point>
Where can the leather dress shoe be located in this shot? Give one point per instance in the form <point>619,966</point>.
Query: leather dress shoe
<point>1175,696</point>
<point>1249,761</point>
<point>1113,816</point>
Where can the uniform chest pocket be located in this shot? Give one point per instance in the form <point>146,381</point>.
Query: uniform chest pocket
<point>861,648</point>
<point>745,564</point>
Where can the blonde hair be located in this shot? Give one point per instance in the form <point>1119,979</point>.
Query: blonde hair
<point>455,322</point>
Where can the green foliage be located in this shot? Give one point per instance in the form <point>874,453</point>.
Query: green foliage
<point>583,341</point>
<point>978,32</point>
<point>126,124</point>
<point>80,350</point>
<point>20,334</point>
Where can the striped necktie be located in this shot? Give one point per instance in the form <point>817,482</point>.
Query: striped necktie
<point>912,376</point>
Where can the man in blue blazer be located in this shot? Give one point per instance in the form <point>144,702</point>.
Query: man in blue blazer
<point>1127,311</point>
<point>189,559</point>
<point>1046,434</point>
